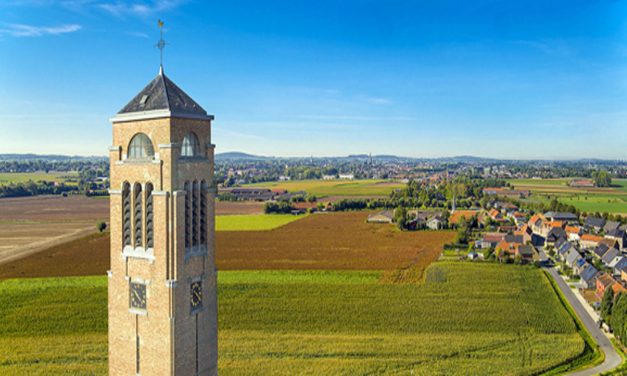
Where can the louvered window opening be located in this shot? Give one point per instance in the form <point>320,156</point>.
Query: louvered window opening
<point>149,217</point>
<point>138,215</point>
<point>195,212</point>
<point>126,214</point>
<point>203,213</point>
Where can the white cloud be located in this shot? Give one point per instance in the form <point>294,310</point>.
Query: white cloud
<point>22,30</point>
<point>139,8</point>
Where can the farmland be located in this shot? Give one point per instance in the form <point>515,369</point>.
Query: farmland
<point>253,222</point>
<point>323,188</point>
<point>287,322</point>
<point>329,241</point>
<point>32,224</point>
<point>22,177</point>
<point>611,200</point>
<point>340,241</point>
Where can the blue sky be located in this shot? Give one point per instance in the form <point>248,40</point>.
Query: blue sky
<point>511,79</point>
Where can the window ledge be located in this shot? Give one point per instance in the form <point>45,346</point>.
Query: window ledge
<point>139,252</point>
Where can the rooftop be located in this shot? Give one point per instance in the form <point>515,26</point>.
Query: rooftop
<point>161,98</point>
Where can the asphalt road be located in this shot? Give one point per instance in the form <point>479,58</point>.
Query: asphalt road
<point>612,358</point>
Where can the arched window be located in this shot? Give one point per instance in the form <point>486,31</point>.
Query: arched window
<point>203,213</point>
<point>188,215</point>
<point>126,214</point>
<point>137,214</point>
<point>149,217</point>
<point>190,146</point>
<point>140,147</point>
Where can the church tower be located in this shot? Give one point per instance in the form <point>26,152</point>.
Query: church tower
<point>162,282</point>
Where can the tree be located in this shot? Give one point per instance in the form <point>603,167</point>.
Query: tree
<point>618,320</point>
<point>101,226</point>
<point>602,178</point>
<point>606,304</point>
<point>401,217</point>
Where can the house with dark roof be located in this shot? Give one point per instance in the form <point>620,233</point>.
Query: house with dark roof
<point>588,276</point>
<point>594,223</point>
<point>554,235</point>
<point>611,225</point>
<point>618,235</point>
<point>562,217</point>
<point>572,258</point>
<point>564,249</point>
<point>609,256</point>
<point>600,251</point>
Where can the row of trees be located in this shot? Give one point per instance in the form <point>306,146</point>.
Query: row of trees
<point>614,313</point>
<point>31,188</point>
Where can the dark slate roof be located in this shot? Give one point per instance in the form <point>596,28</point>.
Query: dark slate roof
<point>616,233</point>
<point>560,215</point>
<point>595,222</point>
<point>555,234</point>
<point>611,225</point>
<point>609,256</point>
<point>588,272</point>
<point>622,264</point>
<point>163,94</point>
<point>600,250</point>
<point>565,248</point>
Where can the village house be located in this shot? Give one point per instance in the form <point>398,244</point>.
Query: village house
<point>490,240</point>
<point>611,226</point>
<point>610,243</point>
<point>495,215</point>
<point>386,216</point>
<point>589,241</point>
<point>505,192</point>
<point>564,249</point>
<point>617,235</point>
<point>588,276</point>
<point>594,224</point>
<point>609,256</point>
<point>535,223</point>
<point>562,217</point>
<point>437,222</point>
<point>555,235</point>
<point>467,215</point>
<point>572,258</point>
<point>605,281</point>
<point>505,207</point>
<point>581,183</point>
<point>600,251</point>
<point>518,217</point>
<point>573,233</point>
<point>525,232</point>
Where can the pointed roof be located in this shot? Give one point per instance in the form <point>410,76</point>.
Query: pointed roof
<point>161,98</point>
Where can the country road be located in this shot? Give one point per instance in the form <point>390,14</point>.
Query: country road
<point>612,358</point>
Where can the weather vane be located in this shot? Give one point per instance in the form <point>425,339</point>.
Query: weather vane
<point>161,44</point>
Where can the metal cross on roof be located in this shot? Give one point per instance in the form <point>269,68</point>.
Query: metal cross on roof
<point>161,44</point>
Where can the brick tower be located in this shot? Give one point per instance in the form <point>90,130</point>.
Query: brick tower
<point>162,282</point>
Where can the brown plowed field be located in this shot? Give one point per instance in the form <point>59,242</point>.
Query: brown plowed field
<point>321,241</point>
<point>85,256</point>
<point>329,241</point>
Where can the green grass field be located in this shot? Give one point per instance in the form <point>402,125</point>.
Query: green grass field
<point>610,200</point>
<point>253,222</point>
<point>323,188</point>
<point>22,177</point>
<point>466,318</point>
